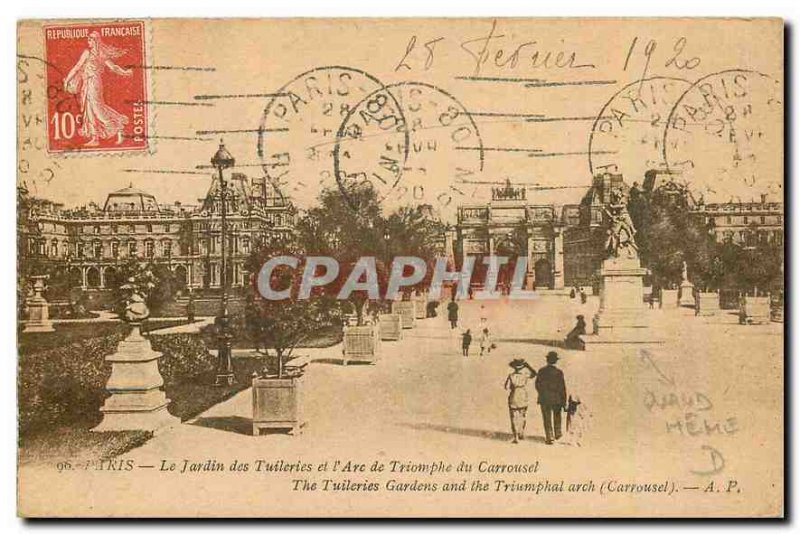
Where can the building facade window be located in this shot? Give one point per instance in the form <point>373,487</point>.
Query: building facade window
<point>167,247</point>
<point>54,248</point>
<point>149,249</point>
<point>79,251</point>
<point>115,249</point>
<point>97,249</point>
<point>132,249</point>
<point>214,274</point>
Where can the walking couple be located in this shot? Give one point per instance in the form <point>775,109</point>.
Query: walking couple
<point>552,396</point>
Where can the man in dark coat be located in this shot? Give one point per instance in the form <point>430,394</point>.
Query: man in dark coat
<point>552,396</point>
<point>452,313</point>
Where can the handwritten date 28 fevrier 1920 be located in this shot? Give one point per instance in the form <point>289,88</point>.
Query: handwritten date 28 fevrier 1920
<point>499,50</point>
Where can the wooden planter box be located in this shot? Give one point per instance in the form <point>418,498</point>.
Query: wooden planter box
<point>360,343</point>
<point>390,327</point>
<point>756,310</point>
<point>776,308</point>
<point>407,312</point>
<point>709,303</point>
<point>277,403</point>
<point>420,308</point>
<point>669,298</point>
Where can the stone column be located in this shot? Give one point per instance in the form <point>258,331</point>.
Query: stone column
<point>530,274</point>
<point>449,249</point>
<point>558,259</point>
<point>84,282</point>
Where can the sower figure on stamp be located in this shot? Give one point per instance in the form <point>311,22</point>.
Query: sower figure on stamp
<point>85,79</point>
<point>516,384</point>
<point>552,397</point>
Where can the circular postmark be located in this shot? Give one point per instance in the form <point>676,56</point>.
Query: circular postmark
<point>410,130</point>
<point>628,133</point>
<point>724,135</point>
<point>299,125</point>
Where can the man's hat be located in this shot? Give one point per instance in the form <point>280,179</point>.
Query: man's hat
<point>552,357</point>
<point>516,363</point>
<point>579,316</point>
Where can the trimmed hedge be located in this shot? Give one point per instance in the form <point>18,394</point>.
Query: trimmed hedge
<point>66,385</point>
<point>185,357</point>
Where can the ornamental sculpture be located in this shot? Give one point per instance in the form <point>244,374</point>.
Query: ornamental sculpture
<point>620,241</point>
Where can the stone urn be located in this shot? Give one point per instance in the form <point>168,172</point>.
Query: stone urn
<point>137,400</point>
<point>38,309</point>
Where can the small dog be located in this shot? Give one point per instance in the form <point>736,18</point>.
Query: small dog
<point>577,421</point>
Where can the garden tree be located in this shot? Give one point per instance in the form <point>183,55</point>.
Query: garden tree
<point>167,286</point>
<point>60,282</point>
<point>26,226</point>
<point>413,231</point>
<point>346,225</point>
<point>156,283</point>
<point>282,325</point>
<point>349,224</point>
<point>667,234</point>
<point>761,267</point>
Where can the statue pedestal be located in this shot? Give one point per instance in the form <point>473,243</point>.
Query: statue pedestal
<point>137,401</point>
<point>38,309</point>
<point>709,303</point>
<point>622,318</point>
<point>687,294</point>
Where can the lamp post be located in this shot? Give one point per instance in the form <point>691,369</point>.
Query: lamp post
<point>223,160</point>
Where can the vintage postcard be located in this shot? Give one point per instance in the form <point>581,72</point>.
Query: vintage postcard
<point>393,268</point>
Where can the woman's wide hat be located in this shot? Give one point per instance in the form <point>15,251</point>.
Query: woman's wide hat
<point>517,363</point>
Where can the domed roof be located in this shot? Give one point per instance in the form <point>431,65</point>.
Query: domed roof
<point>130,199</point>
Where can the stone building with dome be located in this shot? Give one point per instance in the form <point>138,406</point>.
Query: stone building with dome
<point>92,241</point>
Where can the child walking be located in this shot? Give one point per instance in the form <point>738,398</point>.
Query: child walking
<point>466,341</point>
<point>486,342</point>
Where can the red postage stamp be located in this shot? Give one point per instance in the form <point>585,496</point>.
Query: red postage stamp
<point>96,87</point>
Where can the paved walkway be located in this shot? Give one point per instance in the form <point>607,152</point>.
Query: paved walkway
<point>103,316</point>
<point>186,328</point>
<point>423,392</point>
<point>423,401</point>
